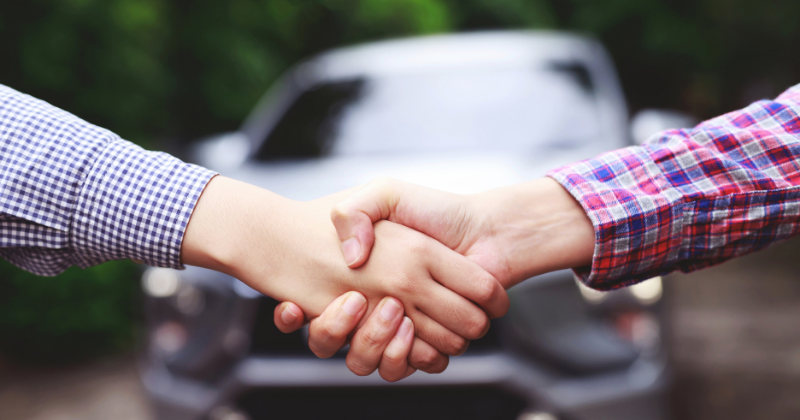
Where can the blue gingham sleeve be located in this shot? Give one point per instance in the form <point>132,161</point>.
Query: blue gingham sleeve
<point>72,193</point>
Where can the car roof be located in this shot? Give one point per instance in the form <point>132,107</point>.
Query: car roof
<point>501,49</point>
<point>446,53</point>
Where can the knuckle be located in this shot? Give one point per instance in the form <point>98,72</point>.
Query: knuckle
<point>486,290</point>
<point>393,358</point>
<point>431,361</point>
<point>318,350</point>
<point>320,341</point>
<point>371,339</point>
<point>418,246</point>
<point>402,284</point>
<point>332,330</point>
<point>426,360</point>
<point>478,326</point>
<point>390,376</point>
<point>456,345</point>
<point>438,366</point>
<point>358,367</point>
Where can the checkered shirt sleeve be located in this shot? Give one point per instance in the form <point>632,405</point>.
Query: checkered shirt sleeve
<point>72,193</point>
<point>689,199</point>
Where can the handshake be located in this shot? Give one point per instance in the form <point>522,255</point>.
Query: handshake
<point>406,275</point>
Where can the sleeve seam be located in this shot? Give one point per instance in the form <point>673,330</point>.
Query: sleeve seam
<point>79,196</point>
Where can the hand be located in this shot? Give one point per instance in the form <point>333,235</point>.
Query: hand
<point>382,342</point>
<point>514,232</point>
<point>289,250</point>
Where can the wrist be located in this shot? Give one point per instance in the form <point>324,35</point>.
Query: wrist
<point>216,235</point>
<point>539,227</point>
<point>285,249</point>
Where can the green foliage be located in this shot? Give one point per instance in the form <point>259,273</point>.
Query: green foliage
<point>177,69</point>
<point>151,69</point>
<point>79,314</point>
<point>708,56</point>
<point>155,69</point>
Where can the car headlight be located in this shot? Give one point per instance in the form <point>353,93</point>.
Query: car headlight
<point>648,292</point>
<point>590,295</point>
<point>195,320</point>
<point>160,282</point>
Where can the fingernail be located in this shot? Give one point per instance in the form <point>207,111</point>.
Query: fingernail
<point>405,329</point>
<point>390,310</point>
<point>288,316</point>
<point>352,250</point>
<point>353,304</point>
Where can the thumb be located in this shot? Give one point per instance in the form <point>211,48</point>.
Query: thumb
<point>353,217</point>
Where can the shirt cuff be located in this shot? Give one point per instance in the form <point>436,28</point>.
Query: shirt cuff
<point>637,226</point>
<point>135,204</point>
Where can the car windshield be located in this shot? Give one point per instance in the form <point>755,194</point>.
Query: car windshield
<point>519,110</point>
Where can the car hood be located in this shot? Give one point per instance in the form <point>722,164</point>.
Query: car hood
<point>457,173</point>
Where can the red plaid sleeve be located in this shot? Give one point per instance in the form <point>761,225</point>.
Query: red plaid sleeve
<point>692,198</point>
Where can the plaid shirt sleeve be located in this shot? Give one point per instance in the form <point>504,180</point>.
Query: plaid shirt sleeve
<point>72,193</point>
<point>692,198</point>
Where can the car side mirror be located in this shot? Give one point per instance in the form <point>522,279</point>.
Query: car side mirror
<point>222,151</point>
<point>651,121</point>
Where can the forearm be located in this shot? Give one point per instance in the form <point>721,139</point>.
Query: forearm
<point>230,220</point>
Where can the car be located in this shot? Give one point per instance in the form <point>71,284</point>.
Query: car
<point>458,112</point>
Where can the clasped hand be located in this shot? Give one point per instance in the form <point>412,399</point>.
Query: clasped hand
<point>513,233</point>
<point>290,251</point>
<point>443,260</point>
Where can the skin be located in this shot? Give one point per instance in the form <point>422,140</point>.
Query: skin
<point>514,233</point>
<point>289,250</point>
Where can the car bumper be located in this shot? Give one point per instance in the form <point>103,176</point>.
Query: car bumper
<point>634,393</point>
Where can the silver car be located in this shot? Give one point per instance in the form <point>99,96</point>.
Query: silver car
<point>462,113</point>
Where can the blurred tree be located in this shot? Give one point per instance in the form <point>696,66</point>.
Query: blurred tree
<point>153,70</point>
<point>707,57</point>
<point>150,70</point>
<point>80,314</point>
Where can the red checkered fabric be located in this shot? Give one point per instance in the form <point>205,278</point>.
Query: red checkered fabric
<point>692,198</point>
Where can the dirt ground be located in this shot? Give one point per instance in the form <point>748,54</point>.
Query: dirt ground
<point>103,390</point>
<point>734,337</point>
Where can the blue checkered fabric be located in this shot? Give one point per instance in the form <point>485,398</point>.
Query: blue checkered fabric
<point>72,193</point>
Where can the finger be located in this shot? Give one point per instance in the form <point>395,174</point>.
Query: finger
<point>353,218</point>
<point>394,362</point>
<point>453,312</point>
<point>369,342</point>
<point>466,278</point>
<point>289,317</point>
<point>329,332</point>
<point>437,336</point>
<point>409,371</point>
<point>426,358</point>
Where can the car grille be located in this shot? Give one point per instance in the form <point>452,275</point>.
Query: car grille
<point>267,339</point>
<point>386,403</point>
